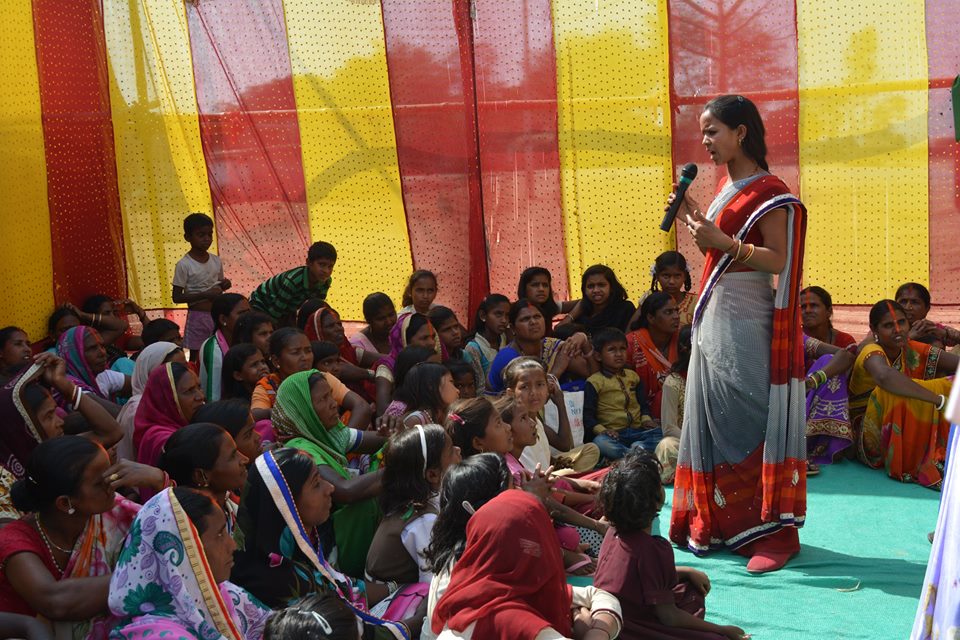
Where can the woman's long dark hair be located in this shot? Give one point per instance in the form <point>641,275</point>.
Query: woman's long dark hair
<point>617,292</point>
<point>55,468</point>
<point>421,388</point>
<point>549,308</point>
<point>734,111</point>
<point>476,481</point>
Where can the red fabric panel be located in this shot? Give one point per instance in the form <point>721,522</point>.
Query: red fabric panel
<point>519,156</point>
<point>943,52</point>
<point>747,47</point>
<point>86,224</point>
<point>250,137</point>
<point>430,63</point>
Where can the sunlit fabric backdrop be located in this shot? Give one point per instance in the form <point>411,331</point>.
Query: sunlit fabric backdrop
<point>471,138</point>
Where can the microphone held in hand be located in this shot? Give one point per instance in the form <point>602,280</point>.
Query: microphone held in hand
<point>687,174</point>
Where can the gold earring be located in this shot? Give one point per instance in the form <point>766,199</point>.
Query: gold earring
<point>740,141</point>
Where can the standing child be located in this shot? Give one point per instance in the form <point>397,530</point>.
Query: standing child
<point>490,335</point>
<point>197,280</point>
<point>280,296</point>
<point>658,598</point>
<point>615,408</point>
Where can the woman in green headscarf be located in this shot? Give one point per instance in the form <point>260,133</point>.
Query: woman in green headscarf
<point>306,417</point>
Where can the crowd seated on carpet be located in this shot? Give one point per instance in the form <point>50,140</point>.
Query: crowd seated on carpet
<point>263,474</point>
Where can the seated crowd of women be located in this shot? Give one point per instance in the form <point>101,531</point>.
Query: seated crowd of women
<point>410,481</point>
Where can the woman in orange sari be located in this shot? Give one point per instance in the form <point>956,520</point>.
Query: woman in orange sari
<point>652,347</point>
<point>741,471</point>
<point>898,391</point>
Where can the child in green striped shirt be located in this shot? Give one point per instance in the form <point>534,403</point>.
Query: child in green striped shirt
<point>281,296</point>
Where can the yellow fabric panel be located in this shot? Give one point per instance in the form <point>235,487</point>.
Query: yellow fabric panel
<point>339,63</point>
<point>160,164</point>
<point>863,145</point>
<point>26,259</point>
<point>613,86</point>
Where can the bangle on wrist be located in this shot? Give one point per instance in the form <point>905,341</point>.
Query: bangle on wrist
<point>732,246</point>
<point>942,403</point>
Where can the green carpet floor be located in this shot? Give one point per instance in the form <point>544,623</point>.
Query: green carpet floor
<point>858,575</point>
<point>863,555</point>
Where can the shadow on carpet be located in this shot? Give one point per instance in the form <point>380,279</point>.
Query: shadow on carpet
<point>858,575</point>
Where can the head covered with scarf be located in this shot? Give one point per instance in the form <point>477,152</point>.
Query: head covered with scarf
<point>71,346</point>
<point>510,580</point>
<point>20,432</point>
<point>159,414</point>
<point>406,327</point>
<point>163,584</point>
<point>296,422</point>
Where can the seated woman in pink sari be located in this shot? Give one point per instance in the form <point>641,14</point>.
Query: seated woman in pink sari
<point>171,579</point>
<point>57,560</point>
<point>170,398</point>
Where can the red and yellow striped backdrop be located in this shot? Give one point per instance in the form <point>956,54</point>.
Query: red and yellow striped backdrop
<point>474,138</point>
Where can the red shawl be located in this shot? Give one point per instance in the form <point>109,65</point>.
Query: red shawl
<point>510,579</point>
<point>651,365</point>
<point>348,352</point>
<point>158,415</point>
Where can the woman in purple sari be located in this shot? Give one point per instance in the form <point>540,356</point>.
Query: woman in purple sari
<point>828,401</point>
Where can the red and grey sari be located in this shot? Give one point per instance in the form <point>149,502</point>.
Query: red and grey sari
<point>741,473</point>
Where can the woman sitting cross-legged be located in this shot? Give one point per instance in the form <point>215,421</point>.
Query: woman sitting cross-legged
<point>898,391</point>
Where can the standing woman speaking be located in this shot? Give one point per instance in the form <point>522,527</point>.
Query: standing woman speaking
<point>741,474</point>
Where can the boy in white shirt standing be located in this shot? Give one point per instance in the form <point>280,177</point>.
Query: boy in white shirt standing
<point>197,280</point>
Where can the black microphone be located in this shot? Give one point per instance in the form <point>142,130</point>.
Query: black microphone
<point>687,174</point>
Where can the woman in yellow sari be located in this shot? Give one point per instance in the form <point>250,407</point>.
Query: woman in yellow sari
<point>898,391</point>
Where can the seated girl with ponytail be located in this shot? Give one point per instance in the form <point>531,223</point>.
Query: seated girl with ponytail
<point>414,463</point>
<point>57,561</point>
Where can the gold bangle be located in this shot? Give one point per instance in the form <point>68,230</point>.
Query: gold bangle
<point>730,248</point>
<point>749,254</point>
<point>739,249</point>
